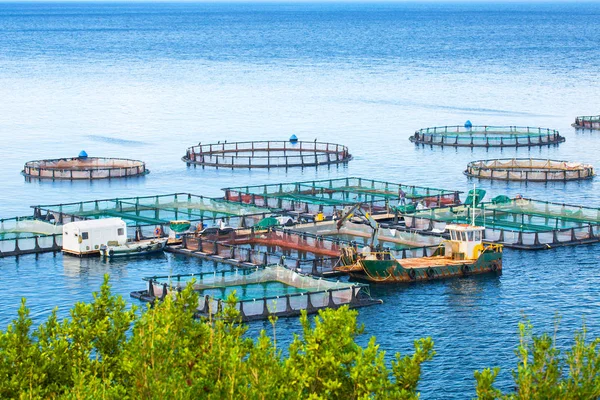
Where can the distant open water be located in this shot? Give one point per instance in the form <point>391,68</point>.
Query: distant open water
<point>146,81</point>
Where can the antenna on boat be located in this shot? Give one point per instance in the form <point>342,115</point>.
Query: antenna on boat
<point>473,213</point>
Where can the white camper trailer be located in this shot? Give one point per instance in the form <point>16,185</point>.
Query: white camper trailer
<point>86,237</point>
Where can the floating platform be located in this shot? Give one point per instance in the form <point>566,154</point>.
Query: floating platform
<point>330,195</point>
<point>518,223</point>
<point>267,154</point>
<point>262,292</point>
<point>300,251</point>
<point>84,168</point>
<point>529,170</point>
<point>588,122</point>
<point>26,235</point>
<point>487,136</point>
<point>144,214</point>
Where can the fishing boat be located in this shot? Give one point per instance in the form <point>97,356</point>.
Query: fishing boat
<point>138,248</point>
<point>463,254</point>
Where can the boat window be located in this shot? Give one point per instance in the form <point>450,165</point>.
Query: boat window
<point>120,231</point>
<point>452,235</point>
<point>84,235</point>
<point>463,237</point>
<point>470,236</point>
<point>477,236</point>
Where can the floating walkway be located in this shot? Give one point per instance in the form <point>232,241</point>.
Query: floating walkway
<point>25,235</point>
<point>331,195</point>
<point>518,223</point>
<point>590,122</point>
<point>147,212</point>
<point>529,170</point>
<point>84,168</point>
<point>267,154</point>
<point>487,136</point>
<point>262,292</point>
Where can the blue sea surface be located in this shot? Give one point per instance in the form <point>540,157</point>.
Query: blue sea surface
<point>148,80</point>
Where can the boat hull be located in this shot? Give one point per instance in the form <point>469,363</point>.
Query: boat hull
<point>134,249</point>
<point>392,271</point>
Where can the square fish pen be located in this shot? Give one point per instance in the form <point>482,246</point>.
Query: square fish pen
<point>143,214</point>
<point>25,235</point>
<point>261,292</point>
<point>330,195</point>
<point>303,252</point>
<point>519,223</point>
<point>360,235</point>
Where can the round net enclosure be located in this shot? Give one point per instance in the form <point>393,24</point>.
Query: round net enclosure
<point>84,167</point>
<point>529,170</point>
<point>487,136</point>
<point>588,122</point>
<point>267,154</point>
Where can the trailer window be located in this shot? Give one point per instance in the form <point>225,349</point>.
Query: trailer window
<point>120,231</point>
<point>84,235</point>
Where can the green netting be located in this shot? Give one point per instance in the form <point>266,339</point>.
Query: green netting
<point>525,215</point>
<point>501,199</point>
<point>156,209</point>
<point>267,222</point>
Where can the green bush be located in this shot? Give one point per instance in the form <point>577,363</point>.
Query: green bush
<point>105,350</point>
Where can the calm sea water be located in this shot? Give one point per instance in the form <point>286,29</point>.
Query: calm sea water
<point>146,81</point>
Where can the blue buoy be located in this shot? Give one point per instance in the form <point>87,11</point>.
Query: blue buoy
<point>293,139</point>
<point>82,154</point>
<point>468,124</point>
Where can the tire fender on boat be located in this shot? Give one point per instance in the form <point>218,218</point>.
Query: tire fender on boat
<point>411,273</point>
<point>495,266</point>
<point>464,269</point>
<point>111,253</point>
<point>430,272</point>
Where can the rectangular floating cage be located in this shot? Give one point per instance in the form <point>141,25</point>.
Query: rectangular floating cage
<point>486,136</point>
<point>261,292</point>
<point>26,235</point>
<point>519,223</point>
<point>360,235</point>
<point>587,122</point>
<point>145,213</point>
<point>300,251</point>
<point>330,195</point>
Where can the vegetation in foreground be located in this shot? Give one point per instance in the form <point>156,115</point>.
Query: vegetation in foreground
<point>105,350</point>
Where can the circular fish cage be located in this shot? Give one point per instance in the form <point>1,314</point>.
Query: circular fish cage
<point>267,154</point>
<point>487,136</point>
<point>529,170</point>
<point>80,168</point>
<point>590,122</point>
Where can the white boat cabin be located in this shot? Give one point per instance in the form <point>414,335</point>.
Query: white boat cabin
<point>466,241</point>
<point>86,237</point>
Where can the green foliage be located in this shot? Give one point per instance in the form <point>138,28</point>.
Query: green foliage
<point>542,373</point>
<point>105,350</point>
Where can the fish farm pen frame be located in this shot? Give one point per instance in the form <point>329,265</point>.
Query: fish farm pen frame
<point>227,249</point>
<point>334,294</point>
<point>588,122</point>
<point>177,205</point>
<point>529,170</point>
<point>32,244</point>
<point>487,136</point>
<point>88,168</point>
<point>267,154</point>
<point>525,224</point>
<point>231,247</point>
<point>329,195</point>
